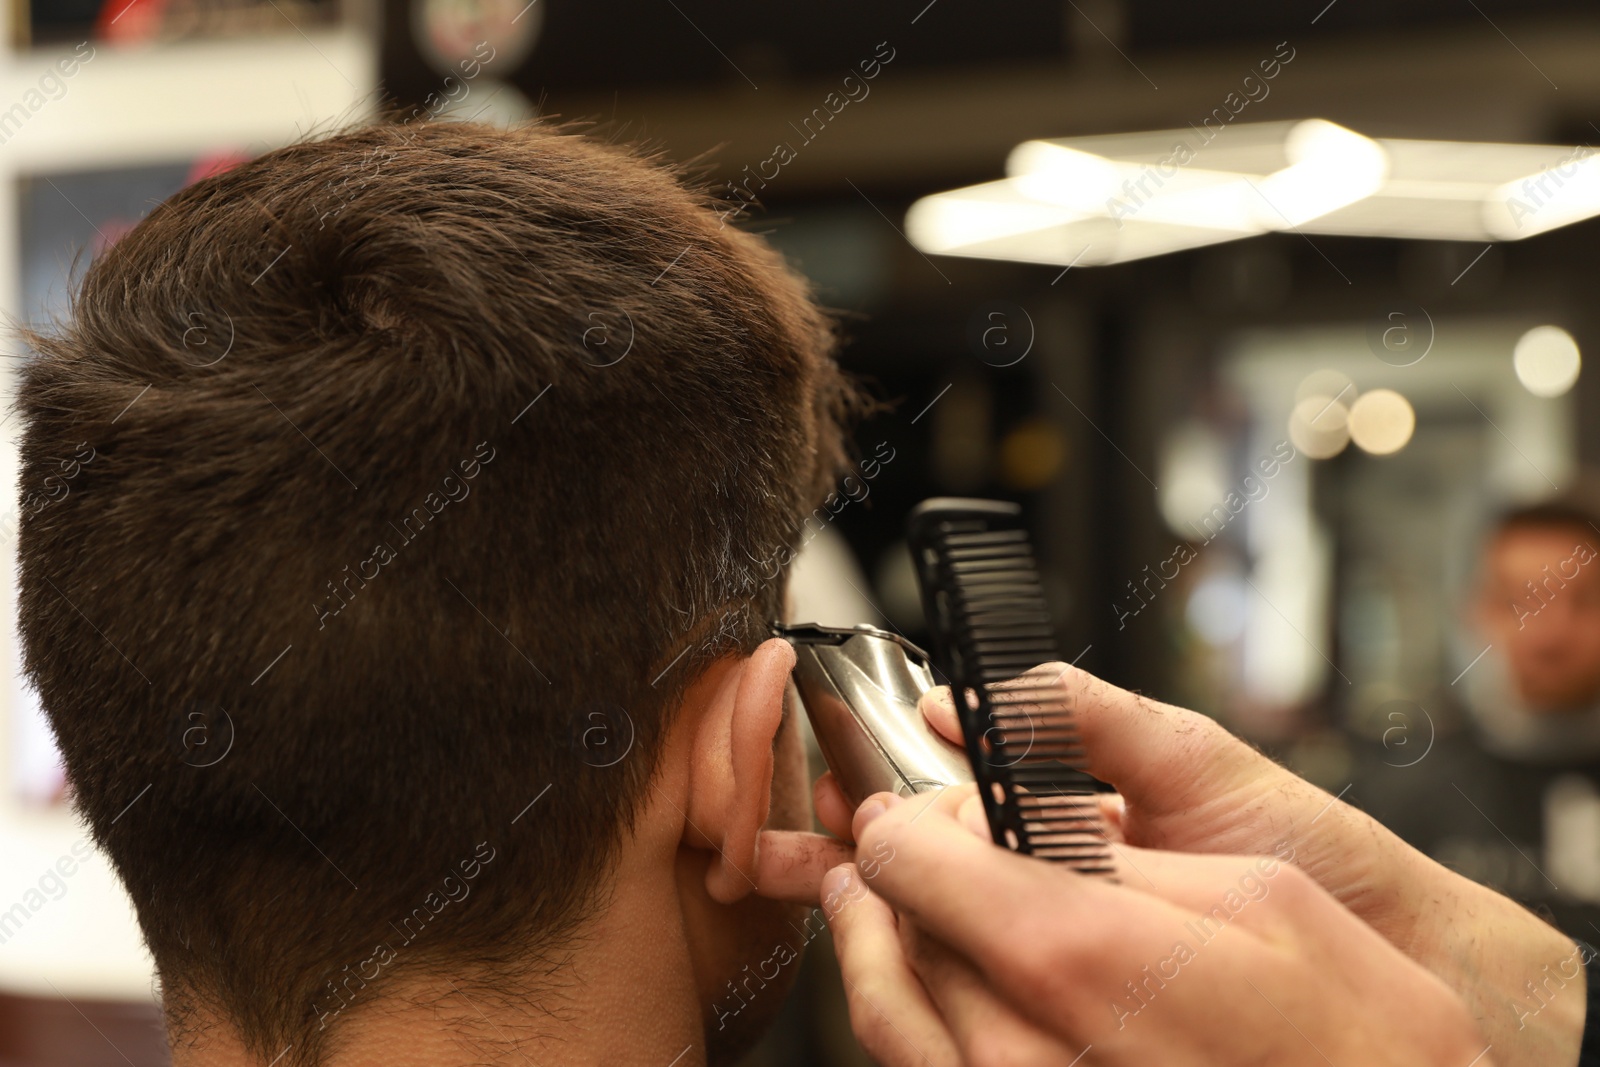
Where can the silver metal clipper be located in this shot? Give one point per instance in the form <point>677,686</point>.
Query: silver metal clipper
<point>860,687</point>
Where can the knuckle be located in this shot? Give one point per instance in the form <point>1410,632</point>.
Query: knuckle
<point>871,1032</point>
<point>1443,1023</point>
<point>867,990</point>
<point>1295,882</point>
<point>1202,739</point>
<point>1201,731</point>
<point>1294,892</point>
<point>1052,960</point>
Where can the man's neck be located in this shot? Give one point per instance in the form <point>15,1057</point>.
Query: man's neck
<point>622,994</point>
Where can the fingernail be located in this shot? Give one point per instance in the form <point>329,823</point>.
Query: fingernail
<point>870,811</point>
<point>894,798</point>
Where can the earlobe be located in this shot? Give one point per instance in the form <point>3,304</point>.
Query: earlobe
<point>731,780</point>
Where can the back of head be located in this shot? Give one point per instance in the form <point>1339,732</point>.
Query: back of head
<point>403,458</point>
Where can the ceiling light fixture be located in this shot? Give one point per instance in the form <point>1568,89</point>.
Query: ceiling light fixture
<point>1113,198</point>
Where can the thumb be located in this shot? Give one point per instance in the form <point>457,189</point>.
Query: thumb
<point>940,711</point>
<point>1163,759</point>
<point>1160,757</point>
<point>1190,786</point>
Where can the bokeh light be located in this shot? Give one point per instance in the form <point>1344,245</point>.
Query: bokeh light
<point>1218,609</point>
<point>1381,422</point>
<point>1546,360</point>
<point>1328,384</point>
<point>1319,426</point>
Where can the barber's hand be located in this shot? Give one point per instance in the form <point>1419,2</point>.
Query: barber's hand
<point>956,952</point>
<point>1189,786</point>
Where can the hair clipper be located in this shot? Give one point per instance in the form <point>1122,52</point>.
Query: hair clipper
<point>991,635</point>
<point>860,687</point>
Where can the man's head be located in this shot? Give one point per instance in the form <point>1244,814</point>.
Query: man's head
<point>1540,601</point>
<point>438,474</point>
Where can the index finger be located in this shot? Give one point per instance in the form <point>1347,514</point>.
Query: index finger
<point>997,908</point>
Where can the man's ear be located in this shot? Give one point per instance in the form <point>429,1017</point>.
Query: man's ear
<point>730,776</point>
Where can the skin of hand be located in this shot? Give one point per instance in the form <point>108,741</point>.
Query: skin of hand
<point>1185,784</point>
<point>955,951</point>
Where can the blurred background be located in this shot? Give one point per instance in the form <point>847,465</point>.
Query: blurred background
<point>1272,316</point>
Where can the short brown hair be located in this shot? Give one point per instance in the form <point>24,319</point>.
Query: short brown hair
<point>416,452</point>
<point>1576,507</point>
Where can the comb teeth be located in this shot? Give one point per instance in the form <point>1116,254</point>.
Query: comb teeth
<point>991,632</point>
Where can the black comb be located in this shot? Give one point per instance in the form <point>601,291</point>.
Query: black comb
<point>990,630</point>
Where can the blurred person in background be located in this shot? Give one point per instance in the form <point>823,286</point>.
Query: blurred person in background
<point>1508,792</point>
